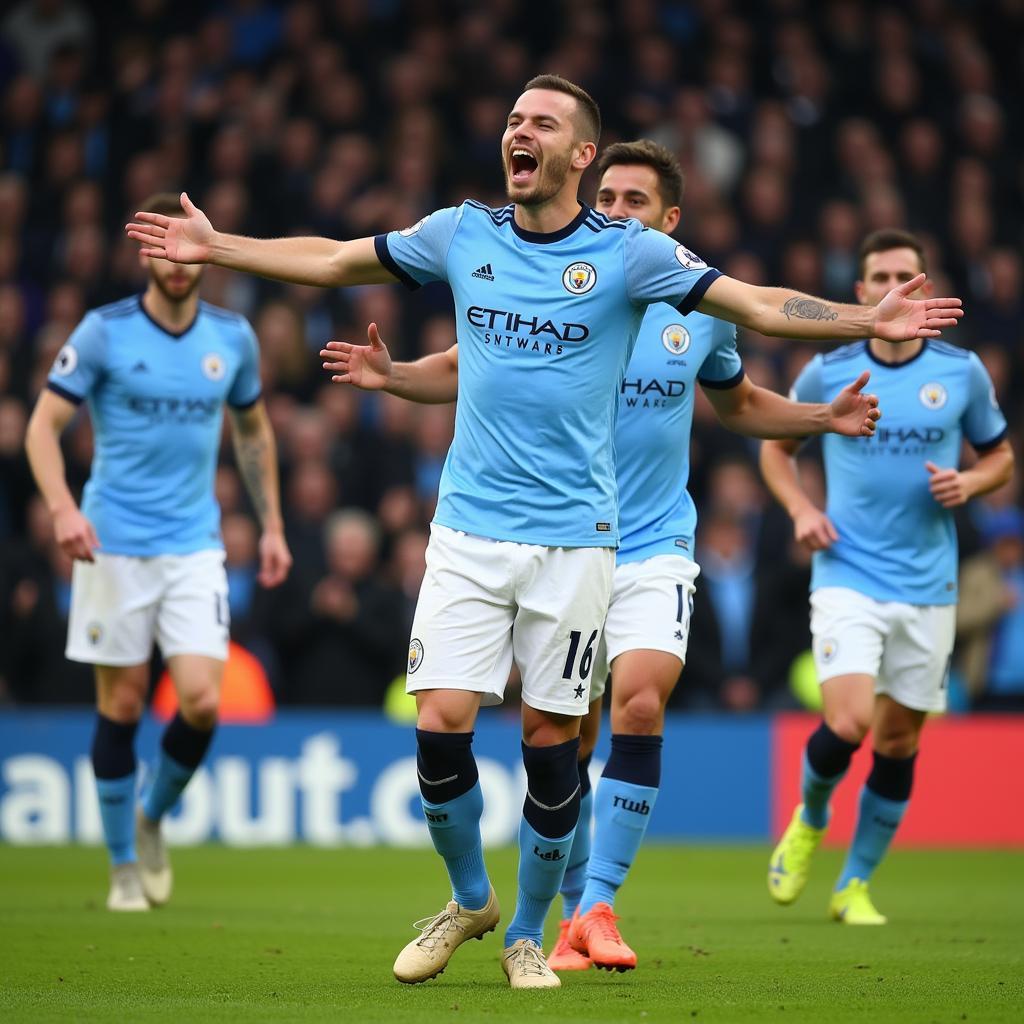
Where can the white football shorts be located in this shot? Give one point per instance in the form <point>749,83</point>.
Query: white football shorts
<point>484,602</point>
<point>650,610</point>
<point>906,648</point>
<point>120,604</point>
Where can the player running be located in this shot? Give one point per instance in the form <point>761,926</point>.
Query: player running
<point>884,582</point>
<point>647,627</point>
<point>548,296</point>
<point>156,371</point>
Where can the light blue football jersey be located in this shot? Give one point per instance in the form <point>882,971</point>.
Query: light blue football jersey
<point>546,324</point>
<point>896,542</point>
<point>652,440</point>
<point>156,401</point>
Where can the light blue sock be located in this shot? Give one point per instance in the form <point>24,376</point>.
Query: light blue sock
<point>542,864</point>
<point>817,791</point>
<point>877,822</point>
<point>117,813</point>
<point>621,812</point>
<point>575,877</point>
<point>455,832</point>
<point>168,783</point>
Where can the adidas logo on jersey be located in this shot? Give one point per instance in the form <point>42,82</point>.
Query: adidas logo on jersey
<point>484,272</point>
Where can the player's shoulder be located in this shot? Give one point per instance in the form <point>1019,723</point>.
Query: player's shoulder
<point>130,306</point>
<point>598,222</point>
<point>945,350</point>
<point>843,354</point>
<point>496,216</point>
<point>225,320</point>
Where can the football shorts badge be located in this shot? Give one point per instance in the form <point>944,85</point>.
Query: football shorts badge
<point>66,361</point>
<point>415,655</point>
<point>933,395</point>
<point>94,631</point>
<point>689,260</point>
<point>828,648</point>
<point>213,366</point>
<point>579,278</point>
<point>676,338</point>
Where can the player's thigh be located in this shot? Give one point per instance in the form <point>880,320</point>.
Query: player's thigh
<point>121,691</point>
<point>896,729</point>
<point>193,616</point>
<point>642,682</point>
<point>113,610</point>
<point>848,705</point>
<point>197,679</point>
<point>462,628</point>
<point>562,596</point>
<point>915,666</point>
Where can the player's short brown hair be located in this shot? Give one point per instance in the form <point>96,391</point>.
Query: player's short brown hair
<point>649,154</point>
<point>886,239</point>
<point>588,114</point>
<point>167,203</point>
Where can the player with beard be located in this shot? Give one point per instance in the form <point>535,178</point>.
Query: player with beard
<point>156,371</point>
<point>549,296</point>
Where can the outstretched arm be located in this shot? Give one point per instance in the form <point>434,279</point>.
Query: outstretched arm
<point>778,468</point>
<point>760,412</point>
<point>316,261</point>
<point>432,380</point>
<point>73,532</point>
<point>256,455</point>
<point>789,314</point>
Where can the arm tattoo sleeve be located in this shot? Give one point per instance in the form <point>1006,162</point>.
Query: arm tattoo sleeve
<point>802,308</point>
<point>252,453</point>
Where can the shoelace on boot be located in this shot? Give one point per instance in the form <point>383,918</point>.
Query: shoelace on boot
<point>604,922</point>
<point>530,960</point>
<point>435,928</point>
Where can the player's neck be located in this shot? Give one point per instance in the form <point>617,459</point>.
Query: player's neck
<point>895,353</point>
<point>174,317</point>
<point>546,218</point>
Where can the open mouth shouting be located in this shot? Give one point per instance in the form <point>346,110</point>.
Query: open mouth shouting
<point>522,166</point>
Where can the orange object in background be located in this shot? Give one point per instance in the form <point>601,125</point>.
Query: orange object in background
<point>968,786</point>
<point>245,696</point>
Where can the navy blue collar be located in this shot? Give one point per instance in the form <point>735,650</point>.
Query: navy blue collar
<point>176,335</point>
<point>896,366</point>
<point>546,237</point>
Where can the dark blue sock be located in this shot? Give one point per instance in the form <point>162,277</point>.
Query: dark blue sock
<point>550,813</point>
<point>182,750</point>
<point>453,805</point>
<point>113,763</point>
<point>826,759</point>
<point>622,810</point>
<point>575,877</point>
<point>883,802</point>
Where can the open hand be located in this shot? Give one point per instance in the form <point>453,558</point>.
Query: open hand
<point>853,413</point>
<point>185,239</point>
<point>364,366</point>
<point>901,318</point>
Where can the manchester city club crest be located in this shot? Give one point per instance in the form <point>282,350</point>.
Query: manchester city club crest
<point>828,648</point>
<point>933,395</point>
<point>415,655</point>
<point>94,631</point>
<point>676,338</point>
<point>579,278</point>
<point>213,366</point>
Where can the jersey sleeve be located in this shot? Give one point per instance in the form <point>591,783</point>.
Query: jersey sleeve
<point>246,387</point>
<point>419,254</point>
<point>809,386</point>
<point>79,364</point>
<point>722,367</point>
<point>658,269</point>
<point>983,421</point>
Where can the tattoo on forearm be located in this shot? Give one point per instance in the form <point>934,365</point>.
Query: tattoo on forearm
<point>802,308</point>
<point>252,453</point>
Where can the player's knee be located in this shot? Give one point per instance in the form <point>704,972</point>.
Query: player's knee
<point>123,704</point>
<point>200,708</point>
<point>848,725</point>
<point>641,714</point>
<point>897,742</point>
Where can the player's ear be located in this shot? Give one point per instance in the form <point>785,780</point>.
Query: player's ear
<point>584,156</point>
<point>858,291</point>
<point>670,220</point>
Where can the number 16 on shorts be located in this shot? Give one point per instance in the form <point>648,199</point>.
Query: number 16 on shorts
<point>577,664</point>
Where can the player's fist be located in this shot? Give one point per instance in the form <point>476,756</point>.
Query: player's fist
<point>364,366</point>
<point>814,529</point>
<point>75,534</point>
<point>898,317</point>
<point>187,239</point>
<point>275,559</point>
<point>948,486</point>
<point>854,413</point>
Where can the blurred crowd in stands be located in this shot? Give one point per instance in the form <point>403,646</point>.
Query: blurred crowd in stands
<point>801,125</point>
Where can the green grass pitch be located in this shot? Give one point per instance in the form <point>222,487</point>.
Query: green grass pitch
<point>309,935</point>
